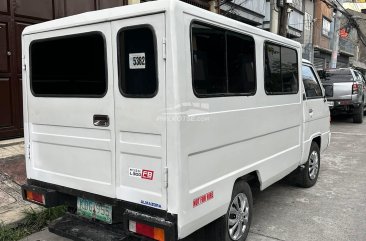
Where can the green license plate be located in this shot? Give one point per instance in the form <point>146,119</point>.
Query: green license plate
<point>94,210</point>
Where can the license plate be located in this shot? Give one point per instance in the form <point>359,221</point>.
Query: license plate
<point>94,210</point>
<point>330,103</point>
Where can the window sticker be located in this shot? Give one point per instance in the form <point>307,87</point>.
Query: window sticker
<point>137,61</point>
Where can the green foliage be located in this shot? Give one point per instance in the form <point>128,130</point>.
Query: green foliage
<point>34,222</point>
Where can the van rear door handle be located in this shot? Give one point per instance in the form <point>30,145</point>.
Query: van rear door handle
<point>101,120</point>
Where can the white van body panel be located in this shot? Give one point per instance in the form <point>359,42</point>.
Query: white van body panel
<point>316,120</point>
<point>199,146</point>
<point>140,130</point>
<point>231,132</point>
<point>65,147</point>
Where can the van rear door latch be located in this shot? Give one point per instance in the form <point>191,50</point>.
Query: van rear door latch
<point>101,120</point>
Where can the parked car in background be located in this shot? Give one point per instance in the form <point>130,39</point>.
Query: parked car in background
<point>345,91</point>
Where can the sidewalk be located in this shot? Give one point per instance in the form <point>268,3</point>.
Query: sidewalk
<point>12,176</point>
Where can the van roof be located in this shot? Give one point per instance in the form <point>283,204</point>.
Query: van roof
<point>147,8</point>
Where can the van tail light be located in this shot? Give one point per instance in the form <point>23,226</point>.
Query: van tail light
<point>355,88</point>
<point>35,197</point>
<point>147,230</point>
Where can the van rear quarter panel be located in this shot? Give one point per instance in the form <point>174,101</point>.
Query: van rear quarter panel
<point>224,138</point>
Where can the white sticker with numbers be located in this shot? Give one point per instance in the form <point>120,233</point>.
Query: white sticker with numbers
<point>137,61</point>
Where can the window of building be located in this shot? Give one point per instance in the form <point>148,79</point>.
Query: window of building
<point>223,62</point>
<point>326,27</point>
<point>281,70</point>
<point>312,87</point>
<point>137,62</point>
<point>71,66</point>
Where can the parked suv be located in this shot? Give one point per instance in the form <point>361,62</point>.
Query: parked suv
<point>345,91</point>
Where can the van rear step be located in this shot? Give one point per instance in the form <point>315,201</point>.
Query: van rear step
<point>79,229</point>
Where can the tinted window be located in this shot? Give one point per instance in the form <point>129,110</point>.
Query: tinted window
<point>240,64</point>
<point>312,87</point>
<point>281,70</point>
<point>69,66</point>
<point>337,75</point>
<point>209,67</point>
<point>137,62</point>
<point>223,62</point>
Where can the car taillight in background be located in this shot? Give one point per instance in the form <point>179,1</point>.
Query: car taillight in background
<point>35,197</point>
<point>355,88</point>
<point>147,230</point>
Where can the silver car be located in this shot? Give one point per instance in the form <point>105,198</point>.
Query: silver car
<point>345,91</point>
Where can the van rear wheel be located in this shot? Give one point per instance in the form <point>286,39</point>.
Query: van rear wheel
<point>310,171</point>
<point>235,224</point>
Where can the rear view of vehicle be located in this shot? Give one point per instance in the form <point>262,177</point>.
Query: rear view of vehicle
<point>345,91</point>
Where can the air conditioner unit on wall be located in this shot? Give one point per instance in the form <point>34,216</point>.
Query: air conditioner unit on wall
<point>289,1</point>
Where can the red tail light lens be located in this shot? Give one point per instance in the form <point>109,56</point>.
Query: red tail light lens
<point>147,230</point>
<point>355,88</point>
<point>35,197</point>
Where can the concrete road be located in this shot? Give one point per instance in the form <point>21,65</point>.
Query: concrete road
<point>334,209</point>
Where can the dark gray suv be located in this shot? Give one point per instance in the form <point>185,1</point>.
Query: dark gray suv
<point>345,92</point>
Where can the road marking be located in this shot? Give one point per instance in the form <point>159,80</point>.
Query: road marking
<point>349,134</point>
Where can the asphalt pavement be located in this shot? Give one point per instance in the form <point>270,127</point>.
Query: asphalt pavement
<point>334,209</point>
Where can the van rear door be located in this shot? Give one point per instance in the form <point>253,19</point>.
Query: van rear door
<point>71,108</point>
<point>140,105</point>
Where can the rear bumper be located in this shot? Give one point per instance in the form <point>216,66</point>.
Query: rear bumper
<point>344,105</point>
<point>122,211</point>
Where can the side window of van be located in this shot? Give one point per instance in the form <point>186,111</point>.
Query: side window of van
<point>281,70</point>
<point>223,62</point>
<point>137,62</point>
<point>69,66</point>
<point>312,87</point>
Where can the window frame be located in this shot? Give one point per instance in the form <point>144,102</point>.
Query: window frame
<point>155,57</point>
<point>100,33</point>
<point>264,72</point>
<point>330,27</point>
<point>317,80</point>
<point>225,30</point>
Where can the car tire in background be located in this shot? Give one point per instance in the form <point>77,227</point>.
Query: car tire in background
<point>358,116</point>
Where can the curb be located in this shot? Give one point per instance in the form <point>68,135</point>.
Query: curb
<point>11,142</point>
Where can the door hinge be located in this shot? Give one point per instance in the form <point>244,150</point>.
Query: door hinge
<point>165,177</point>
<point>164,48</point>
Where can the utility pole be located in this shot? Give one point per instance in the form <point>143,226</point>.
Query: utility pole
<point>133,2</point>
<point>213,6</point>
<point>337,25</point>
<point>273,28</point>
<point>284,18</point>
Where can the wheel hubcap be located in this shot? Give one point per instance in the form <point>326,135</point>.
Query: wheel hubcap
<point>238,216</point>
<point>313,165</point>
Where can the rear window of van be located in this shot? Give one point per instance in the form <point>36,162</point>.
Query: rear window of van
<point>69,66</point>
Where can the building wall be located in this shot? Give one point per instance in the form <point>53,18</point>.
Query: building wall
<point>307,36</point>
<point>249,11</point>
<point>321,10</point>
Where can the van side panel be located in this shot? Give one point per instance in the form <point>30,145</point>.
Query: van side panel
<point>224,138</point>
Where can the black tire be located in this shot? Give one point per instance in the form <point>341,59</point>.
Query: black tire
<point>358,116</point>
<point>219,229</point>
<point>304,177</point>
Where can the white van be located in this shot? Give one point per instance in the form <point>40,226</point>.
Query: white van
<point>155,119</point>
